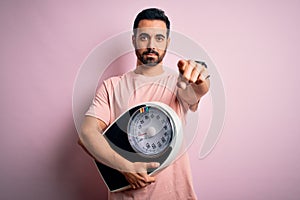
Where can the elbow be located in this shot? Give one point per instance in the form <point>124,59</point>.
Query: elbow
<point>84,131</point>
<point>82,141</point>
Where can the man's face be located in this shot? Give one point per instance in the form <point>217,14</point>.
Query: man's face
<point>150,42</point>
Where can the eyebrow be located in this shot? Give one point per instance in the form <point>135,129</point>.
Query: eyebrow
<point>160,35</point>
<point>144,34</point>
<point>157,35</point>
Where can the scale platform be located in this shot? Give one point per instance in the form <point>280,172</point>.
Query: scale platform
<point>147,132</point>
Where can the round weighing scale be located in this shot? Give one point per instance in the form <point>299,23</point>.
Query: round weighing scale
<point>147,132</point>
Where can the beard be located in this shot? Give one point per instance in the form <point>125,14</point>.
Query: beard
<point>150,61</point>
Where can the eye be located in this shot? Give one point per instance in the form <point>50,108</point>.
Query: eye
<point>143,38</point>
<point>160,38</point>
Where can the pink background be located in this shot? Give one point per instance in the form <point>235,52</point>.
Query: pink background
<point>254,44</point>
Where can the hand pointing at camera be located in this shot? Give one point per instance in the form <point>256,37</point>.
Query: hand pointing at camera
<point>193,81</point>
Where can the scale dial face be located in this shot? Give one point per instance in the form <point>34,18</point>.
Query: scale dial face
<point>150,131</point>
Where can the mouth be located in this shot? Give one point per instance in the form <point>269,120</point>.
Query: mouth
<point>150,53</point>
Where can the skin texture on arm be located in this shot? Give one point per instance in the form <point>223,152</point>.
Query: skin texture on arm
<point>96,145</point>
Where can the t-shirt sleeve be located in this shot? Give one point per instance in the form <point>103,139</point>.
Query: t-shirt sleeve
<point>100,105</point>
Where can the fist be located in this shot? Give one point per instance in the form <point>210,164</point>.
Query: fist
<point>191,72</point>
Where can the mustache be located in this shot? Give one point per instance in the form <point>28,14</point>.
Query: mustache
<point>150,51</point>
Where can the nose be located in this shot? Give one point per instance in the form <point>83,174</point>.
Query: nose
<point>151,43</point>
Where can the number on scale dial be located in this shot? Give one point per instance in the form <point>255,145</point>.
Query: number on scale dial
<point>150,131</point>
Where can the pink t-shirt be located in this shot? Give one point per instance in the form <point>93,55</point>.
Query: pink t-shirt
<point>115,96</point>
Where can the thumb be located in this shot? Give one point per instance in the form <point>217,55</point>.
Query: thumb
<point>152,165</point>
<point>147,178</point>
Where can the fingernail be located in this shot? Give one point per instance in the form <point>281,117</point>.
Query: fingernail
<point>181,85</point>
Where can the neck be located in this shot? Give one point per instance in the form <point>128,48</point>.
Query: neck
<point>149,70</point>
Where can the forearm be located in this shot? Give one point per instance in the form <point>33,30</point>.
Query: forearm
<point>192,94</point>
<point>95,143</point>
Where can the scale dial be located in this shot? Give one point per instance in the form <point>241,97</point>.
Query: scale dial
<point>150,131</point>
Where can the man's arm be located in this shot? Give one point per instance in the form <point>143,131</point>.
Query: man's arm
<point>193,82</point>
<point>92,139</point>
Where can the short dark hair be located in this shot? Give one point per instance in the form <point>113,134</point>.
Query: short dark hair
<point>151,14</point>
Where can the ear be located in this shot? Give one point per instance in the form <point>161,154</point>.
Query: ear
<point>168,41</point>
<point>133,40</point>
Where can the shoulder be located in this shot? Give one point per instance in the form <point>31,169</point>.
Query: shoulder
<point>114,79</point>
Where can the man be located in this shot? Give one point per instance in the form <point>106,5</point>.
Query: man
<point>148,82</point>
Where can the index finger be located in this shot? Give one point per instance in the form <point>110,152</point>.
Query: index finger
<point>147,178</point>
<point>182,64</point>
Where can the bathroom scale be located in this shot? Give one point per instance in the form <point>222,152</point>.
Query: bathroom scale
<point>147,132</point>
